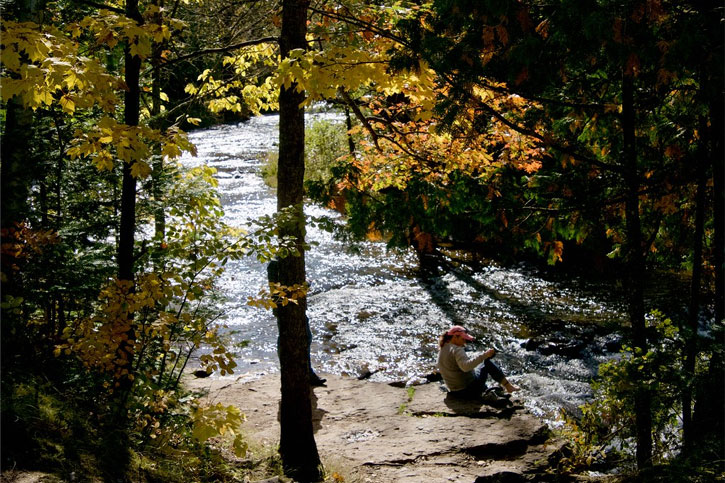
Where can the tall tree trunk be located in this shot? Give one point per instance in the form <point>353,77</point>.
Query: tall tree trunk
<point>297,443</point>
<point>635,270</point>
<point>116,456</point>
<point>688,436</point>
<point>18,168</point>
<point>158,160</point>
<point>132,99</point>
<point>127,228</point>
<point>709,417</point>
<point>16,172</point>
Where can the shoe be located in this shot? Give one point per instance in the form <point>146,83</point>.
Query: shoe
<point>317,381</point>
<point>494,400</point>
<point>497,391</point>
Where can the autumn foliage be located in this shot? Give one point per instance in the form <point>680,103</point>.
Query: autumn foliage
<point>584,133</point>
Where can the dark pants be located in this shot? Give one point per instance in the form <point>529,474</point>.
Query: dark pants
<point>478,385</point>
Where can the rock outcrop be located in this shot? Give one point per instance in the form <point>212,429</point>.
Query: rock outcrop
<point>380,433</point>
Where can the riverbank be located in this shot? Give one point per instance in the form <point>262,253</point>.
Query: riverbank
<point>374,432</point>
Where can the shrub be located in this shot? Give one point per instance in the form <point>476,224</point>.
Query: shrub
<point>325,144</point>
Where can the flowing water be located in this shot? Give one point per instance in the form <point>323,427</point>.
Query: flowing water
<point>374,314</point>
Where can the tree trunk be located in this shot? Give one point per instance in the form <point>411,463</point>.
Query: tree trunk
<point>127,228</point>
<point>18,166</point>
<point>691,336</point>
<point>297,443</point>
<point>635,269</point>
<point>348,124</point>
<point>16,172</point>
<point>132,98</point>
<point>158,160</point>
<point>116,457</point>
<point>717,119</point>
<point>709,417</point>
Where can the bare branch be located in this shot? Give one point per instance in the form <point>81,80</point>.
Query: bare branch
<point>218,50</point>
<point>102,6</point>
<point>361,117</point>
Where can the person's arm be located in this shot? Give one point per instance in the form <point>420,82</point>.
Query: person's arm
<point>467,363</point>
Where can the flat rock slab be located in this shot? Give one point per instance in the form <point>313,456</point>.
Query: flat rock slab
<point>377,432</point>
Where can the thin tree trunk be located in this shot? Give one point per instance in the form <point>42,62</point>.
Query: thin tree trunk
<point>688,437</point>
<point>158,161</point>
<point>717,117</point>
<point>635,269</point>
<point>709,417</point>
<point>116,456</point>
<point>348,124</point>
<point>297,443</point>
<point>127,228</point>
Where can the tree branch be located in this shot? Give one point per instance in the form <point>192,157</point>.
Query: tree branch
<point>351,20</point>
<point>546,100</point>
<point>217,50</point>
<point>361,117</point>
<point>102,6</point>
<point>548,142</point>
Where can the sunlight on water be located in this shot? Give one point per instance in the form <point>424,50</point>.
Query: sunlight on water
<point>373,315</point>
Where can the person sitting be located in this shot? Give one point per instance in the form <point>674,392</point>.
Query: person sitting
<point>464,375</point>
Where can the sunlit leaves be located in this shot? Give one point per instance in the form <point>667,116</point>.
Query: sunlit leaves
<point>130,144</point>
<point>278,295</point>
<point>109,29</point>
<point>321,73</point>
<point>250,88</point>
<point>102,342</point>
<point>42,66</point>
<point>218,420</point>
<point>168,310</point>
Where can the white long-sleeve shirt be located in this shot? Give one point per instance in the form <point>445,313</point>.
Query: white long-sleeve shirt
<point>457,367</point>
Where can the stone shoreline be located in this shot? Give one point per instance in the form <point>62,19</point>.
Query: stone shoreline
<point>387,434</point>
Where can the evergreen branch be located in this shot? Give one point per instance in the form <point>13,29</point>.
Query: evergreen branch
<point>546,100</point>
<point>547,141</point>
<point>351,20</point>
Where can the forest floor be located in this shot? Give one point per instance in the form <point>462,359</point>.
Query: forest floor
<point>374,432</point>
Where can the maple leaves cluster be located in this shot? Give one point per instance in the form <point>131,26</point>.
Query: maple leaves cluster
<point>44,66</point>
<point>130,144</point>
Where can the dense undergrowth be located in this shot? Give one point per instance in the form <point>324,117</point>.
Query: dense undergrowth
<point>56,430</point>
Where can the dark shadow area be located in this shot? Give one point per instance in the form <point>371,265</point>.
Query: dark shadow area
<point>430,274</point>
<point>479,408</point>
<point>555,335</point>
<point>442,296</point>
<point>506,477</point>
<point>317,413</point>
<point>509,450</point>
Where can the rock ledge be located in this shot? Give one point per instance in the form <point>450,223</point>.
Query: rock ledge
<point>376,432</point>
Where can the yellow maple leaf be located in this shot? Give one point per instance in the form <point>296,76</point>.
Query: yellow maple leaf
<point>67,104</point>
<point>140,169</point>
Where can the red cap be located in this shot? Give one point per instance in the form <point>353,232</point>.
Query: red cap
<point>458,330</point>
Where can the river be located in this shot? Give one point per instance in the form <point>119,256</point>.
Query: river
<point>373,313</point>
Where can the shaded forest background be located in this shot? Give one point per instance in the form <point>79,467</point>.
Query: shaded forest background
<point>576,133</point>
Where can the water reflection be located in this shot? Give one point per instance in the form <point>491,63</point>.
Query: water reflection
<point>373,313</point>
